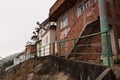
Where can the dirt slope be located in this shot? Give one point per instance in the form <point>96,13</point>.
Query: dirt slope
<point>21,71</point>
<point>34,69</point>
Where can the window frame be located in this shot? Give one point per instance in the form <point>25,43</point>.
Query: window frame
<point>64,21</point>
<point>80,10</point>
<point>95,1</point>
<point>87,4</point>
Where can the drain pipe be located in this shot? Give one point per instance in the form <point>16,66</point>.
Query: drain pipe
<point>105,38</point>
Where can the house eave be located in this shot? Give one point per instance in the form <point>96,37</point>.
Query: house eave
<point>62,8</point>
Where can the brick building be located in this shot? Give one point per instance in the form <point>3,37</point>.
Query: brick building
<point>76,18</point>
<point>30,48</point>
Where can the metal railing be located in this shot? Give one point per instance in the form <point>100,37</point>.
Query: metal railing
<point>88,44</point>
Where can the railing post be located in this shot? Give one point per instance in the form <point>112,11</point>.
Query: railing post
<point>44,50</point>
<point>58,48</point>
<point>50,48</point>
<point>39,51</point>
<point>74,51</point>
<point>107,56</point>
<point>109,52</point>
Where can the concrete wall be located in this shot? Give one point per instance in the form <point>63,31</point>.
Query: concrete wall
<point>80,70</point>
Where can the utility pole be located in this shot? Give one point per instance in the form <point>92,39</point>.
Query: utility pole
<point>105,38</point>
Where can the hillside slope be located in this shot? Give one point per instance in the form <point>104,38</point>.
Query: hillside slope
<point>9,58</point>
<point>21,71</point>
<point>35,69</point>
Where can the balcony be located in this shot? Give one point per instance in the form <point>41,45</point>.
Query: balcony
<point>59,8</point>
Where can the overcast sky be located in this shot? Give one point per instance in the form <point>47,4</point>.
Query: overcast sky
<point>18,21</point>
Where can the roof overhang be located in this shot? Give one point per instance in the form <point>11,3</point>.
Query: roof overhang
<point>60,7</point>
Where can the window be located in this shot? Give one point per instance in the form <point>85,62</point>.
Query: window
<point>95,1</point>
<point>64,21</point>
<point>87,4</point>
<point>80,9</point>
<point>83,6</point>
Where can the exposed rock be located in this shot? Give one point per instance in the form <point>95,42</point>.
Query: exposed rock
<point>30,76</point>
<point>44,68</point>
<point>37,68</point>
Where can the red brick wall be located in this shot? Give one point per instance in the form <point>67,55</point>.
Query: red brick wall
<point>76,23</point>
<point>30,49</point>
<point>116,8</point>
<point>57,4</point>
<point>117,15</point>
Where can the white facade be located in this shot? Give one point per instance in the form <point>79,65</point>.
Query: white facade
<point>46,36</point>
<point>41,32</point>
<point>22,58</point>
<point>39,44</point>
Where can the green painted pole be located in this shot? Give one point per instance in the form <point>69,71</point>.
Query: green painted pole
<point>106,46</point>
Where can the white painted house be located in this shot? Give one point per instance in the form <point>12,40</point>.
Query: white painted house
<point>22,57</point>
<point>46,35</point>
<point>19,59</point>
<point>26,54</point>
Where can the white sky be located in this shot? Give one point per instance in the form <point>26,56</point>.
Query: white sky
<point>18,21</point>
